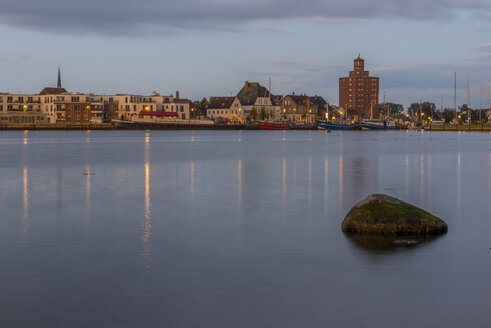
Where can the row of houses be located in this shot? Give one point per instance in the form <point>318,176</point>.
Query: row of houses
<point>57,105</point>
<point>254,101</point>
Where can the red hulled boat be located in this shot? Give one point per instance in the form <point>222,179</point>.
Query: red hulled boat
<point>271,126</point>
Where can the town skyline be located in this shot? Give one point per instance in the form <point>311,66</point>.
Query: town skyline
<point>413,49</point>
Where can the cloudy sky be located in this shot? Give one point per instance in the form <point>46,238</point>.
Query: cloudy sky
<point>210,47</point>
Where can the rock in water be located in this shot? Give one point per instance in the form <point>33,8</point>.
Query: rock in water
<point>380,214</point>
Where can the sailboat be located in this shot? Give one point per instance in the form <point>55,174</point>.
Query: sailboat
<point>271,125</point>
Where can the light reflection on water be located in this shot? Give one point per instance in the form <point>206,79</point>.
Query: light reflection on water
<point>283,185</point>
<point>340,184</point>
<point>237,229</point>
<point>147,210</point>
<point>25,198</point>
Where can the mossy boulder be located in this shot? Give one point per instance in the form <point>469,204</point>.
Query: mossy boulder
<point>380,214</point>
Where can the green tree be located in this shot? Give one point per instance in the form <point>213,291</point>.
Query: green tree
<point>253,114</point>
<point>448,115</point>
<point>394,108</point>
<point>263,114</point>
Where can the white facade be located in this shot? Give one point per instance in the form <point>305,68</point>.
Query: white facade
<point>233,113</point>
<point>127,105</point>
<point>130,105</point>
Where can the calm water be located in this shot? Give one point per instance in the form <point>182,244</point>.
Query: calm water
<point>238,229</point>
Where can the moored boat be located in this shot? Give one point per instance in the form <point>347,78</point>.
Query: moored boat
<point>329,125</point>
<point>377,124</point>
<point>169,120</point>
<point>273,126</point>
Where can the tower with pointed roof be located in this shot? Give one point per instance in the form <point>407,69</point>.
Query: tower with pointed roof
<point>59,78</point>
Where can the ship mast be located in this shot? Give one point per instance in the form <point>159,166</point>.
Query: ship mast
<point>270,105</point>
<point>455,95</point>
<point>469,101</point>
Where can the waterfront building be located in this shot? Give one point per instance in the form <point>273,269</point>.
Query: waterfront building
<point>253,95</point>
<point>130,105</point>
<point>299,108</point>
<point>226,108</point>
<point>321,104</point>
<point>276,102</point>
<point>20,108</point>
<point>359,91</point>
<point>74,113</point>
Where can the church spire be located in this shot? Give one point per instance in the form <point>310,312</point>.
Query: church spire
<point>59,78</point>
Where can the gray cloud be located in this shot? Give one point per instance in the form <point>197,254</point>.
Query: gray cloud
<point>11,53</point>
<point>482,48</point>
<point>130,17</point>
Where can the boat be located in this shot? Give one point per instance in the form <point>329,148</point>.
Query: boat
<point>169,120</point>
<point>273,126</point>
<point>329,125</point>
<point>377,124</point>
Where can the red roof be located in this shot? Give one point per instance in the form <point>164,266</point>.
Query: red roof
<point>172,114</point>
<point>52,91</point>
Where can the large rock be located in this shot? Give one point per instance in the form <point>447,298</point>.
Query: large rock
<point>380,214</point>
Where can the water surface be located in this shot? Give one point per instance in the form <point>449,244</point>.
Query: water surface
<point>238,229</point>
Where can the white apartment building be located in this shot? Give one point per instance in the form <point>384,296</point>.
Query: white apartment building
<point>226,108</point>
<point>130,105</point>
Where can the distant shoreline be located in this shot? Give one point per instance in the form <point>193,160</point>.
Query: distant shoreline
<point>109,126</point>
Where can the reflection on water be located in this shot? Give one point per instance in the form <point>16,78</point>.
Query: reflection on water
<point>389,243</point>
<point>326,185</point>
<point>239,184</point>
<point>340,173</point>
<point>148,214</point>
<point>341,184</point>
<point>283,185</point>
<point>88,174</point>
<point>310,186</point>
<point>191,187</point>
<point>407,176</point>
<point>429,177</point>
<point>421,179</point>
<point>25,217</point>
<point>294,174</point>
<point>459,184</point>
<point>25,187</point>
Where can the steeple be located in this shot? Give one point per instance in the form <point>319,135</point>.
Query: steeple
<point>59,79</point>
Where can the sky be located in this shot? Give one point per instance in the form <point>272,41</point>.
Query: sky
<point>210,47</point>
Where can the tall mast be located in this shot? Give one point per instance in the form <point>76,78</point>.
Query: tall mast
<point>270,105</point>
<point>455,94</point>
<point>420,111</point>
<point>480,104</point>
<point>469,101</point>
<point>441,110</point>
